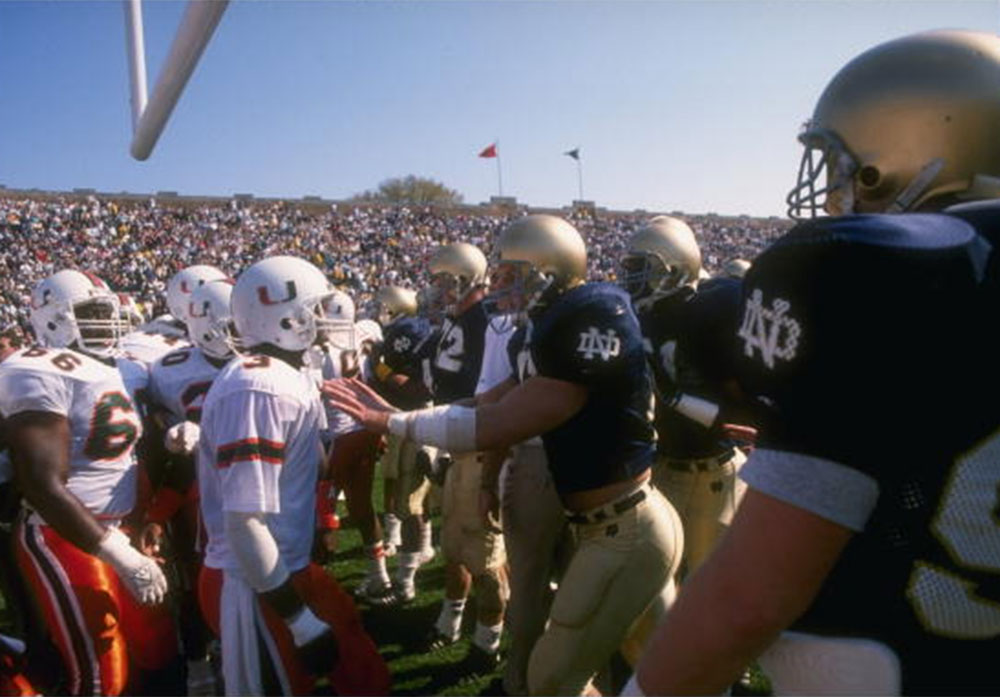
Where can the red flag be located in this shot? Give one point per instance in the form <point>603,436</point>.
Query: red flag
<point>489,151</point>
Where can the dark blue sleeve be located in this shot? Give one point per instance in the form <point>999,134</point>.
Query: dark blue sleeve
<point>590,339</point>
<point>855,331</point>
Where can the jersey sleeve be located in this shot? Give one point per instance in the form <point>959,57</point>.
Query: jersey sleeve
<point>22,390</point>
<point>852,337</point>
<point>591,344</point>
<point>251,440</point>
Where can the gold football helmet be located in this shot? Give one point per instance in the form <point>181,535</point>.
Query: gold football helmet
<point>534,255</point>
<point>735,268</point>
<point>456,270</point>
<point>911,124</point>
<point>661,257</point>
<point>394,301</point>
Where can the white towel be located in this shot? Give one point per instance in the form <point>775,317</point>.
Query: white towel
<point>241,667</point>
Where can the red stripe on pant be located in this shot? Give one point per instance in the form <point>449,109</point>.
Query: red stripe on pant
<point>94,622</point>
<point>360,669</point>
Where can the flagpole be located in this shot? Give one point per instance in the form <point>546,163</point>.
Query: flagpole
<point>496,144</point>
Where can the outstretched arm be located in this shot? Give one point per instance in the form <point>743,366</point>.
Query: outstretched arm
<point>532,408</point>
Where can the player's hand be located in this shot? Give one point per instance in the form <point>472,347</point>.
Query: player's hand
<point>315,642</point>
<point>151,541</point>
<point>358,401</point>
<point>489,509</point>
<point>182,438</point>
<point>137,572</point>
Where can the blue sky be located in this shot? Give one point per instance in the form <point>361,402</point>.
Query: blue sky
<point>690,106</point>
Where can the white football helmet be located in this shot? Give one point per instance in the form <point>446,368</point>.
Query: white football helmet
<point>76,309</point>
<point>368,330</point>
<point>209,318</point>
<point>336,326</point>
<point>182,284</point>
<point>131,313</point>
<point>279,301</point>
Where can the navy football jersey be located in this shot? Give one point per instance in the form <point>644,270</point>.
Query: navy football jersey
<point>689,345</point>
<point>459,357</point>
<point>984,216</point>
<point>868,342</point>
<point>407,349</point>
<point>590,336</point>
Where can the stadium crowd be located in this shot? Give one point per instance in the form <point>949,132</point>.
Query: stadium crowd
<point>137,246</point>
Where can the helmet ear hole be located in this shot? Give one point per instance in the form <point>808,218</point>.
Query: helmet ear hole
<point>869,176</point>
<point>51,326</point>
<point>286,323</point>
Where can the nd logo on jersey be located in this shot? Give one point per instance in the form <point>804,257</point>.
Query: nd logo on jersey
<point>769,329</point>
<point>594,343</point>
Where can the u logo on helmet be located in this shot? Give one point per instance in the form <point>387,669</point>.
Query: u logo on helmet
<point>265,296</point>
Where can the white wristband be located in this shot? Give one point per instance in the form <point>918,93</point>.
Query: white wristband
<point>697,409</point>
<point>306,626</point>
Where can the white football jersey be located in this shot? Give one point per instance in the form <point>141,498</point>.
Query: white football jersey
<point>148,345</point>
<point>179,382</point>
<point>135,375</point>
<point>260,452</point>
<point>103,420</point>
<point>328,362</point>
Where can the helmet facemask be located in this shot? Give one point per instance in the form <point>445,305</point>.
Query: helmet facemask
<point>446,293</point>
<point>98,325</point>
<point>824,154</point>
<point>335,324</point>
<point>212,333</point>
<point>647,277</point>
<point>516,289</point>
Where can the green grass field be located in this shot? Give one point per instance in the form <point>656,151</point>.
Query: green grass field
<point>397,631</point>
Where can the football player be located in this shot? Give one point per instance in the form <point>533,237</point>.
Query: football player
<point>168,332</point>
<point>283,621</point>
<point>473,552</point>
<point>406,354</point>
<point>389,304</point>
<point>72,426</point>
<point>179,382</point>
<point>338,353</point>
<point>687,326</point>
<point>589,402</point>
<point>535,532</point>
<point>869,526</point>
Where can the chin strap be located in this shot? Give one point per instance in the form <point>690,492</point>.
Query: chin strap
<point>918,185</point>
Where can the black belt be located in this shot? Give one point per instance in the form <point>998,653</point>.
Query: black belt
<point>608,510</point>
<point>700,464</point>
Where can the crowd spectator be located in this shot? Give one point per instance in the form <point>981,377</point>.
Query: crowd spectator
<point>136,246</point>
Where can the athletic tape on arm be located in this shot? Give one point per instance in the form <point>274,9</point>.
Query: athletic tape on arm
<point>256,551</point>
<point>449,427</point>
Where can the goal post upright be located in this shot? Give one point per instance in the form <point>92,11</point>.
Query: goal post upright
<point>200,19</point>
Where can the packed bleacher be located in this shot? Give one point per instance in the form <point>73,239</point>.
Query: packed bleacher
<point>137,246</point>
